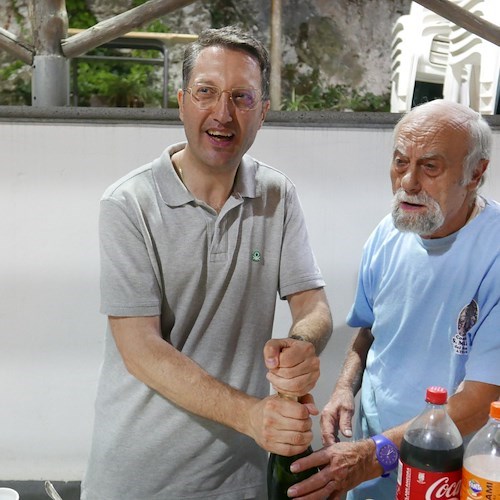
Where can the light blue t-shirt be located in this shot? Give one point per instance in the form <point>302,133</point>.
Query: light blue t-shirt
<point>434,312</point>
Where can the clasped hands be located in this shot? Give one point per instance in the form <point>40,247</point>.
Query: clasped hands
<point>286,426</point>
<point>280,425</point>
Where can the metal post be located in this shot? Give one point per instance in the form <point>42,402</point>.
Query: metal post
<point>46,89</point>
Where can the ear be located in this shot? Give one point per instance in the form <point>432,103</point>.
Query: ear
<point>481,167</point>
<point>265,108</point>
<point>180,101</point>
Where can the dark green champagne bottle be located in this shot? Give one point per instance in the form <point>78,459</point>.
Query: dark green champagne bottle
<point>279,475</point>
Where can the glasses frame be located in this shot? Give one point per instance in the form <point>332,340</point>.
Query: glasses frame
<point>220,91</point>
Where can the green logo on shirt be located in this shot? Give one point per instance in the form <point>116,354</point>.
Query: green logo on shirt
<point>256,256</point>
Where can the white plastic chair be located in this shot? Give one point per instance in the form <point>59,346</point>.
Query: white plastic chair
<point>419,52</point>
<point>474,63</point>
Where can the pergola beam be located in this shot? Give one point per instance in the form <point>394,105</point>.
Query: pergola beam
<point>117,26</point>
<point>465,19</point>
<point>10,44</point>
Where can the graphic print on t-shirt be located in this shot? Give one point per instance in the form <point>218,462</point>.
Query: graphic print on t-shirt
<point>466,320</point>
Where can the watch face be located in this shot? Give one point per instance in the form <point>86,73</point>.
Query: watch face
<point>388,455</point>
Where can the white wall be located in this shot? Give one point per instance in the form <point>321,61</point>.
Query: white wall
<point>51,334</point>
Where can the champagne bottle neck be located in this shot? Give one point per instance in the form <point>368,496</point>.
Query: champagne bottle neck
<point>288,396</point>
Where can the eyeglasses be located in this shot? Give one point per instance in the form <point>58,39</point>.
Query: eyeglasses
<point>207,96</point>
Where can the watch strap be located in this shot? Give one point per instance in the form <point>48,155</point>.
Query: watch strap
<point>382,441</point>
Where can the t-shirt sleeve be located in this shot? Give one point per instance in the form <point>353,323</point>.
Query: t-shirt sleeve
<point>484,342</point>
<point>361,313</point>
<point>129,283</point>
<point>298,268</point>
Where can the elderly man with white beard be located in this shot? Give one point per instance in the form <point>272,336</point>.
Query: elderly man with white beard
<point>427,307</point>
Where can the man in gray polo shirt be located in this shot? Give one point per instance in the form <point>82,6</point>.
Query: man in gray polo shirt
<point>195,247</point>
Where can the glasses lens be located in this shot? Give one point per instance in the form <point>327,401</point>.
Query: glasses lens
<point>205,96</point>
<point>244,98</point>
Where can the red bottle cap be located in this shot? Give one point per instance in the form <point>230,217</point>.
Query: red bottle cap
<point>495,409</point>
<point>436,395</point>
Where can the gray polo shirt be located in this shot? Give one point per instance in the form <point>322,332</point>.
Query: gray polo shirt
<point>214,279</point>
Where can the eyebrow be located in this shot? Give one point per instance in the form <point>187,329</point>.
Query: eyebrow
<point>427,156</point>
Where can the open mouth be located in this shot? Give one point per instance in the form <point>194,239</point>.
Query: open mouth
<point>219,136</point>
<point>406,205</point>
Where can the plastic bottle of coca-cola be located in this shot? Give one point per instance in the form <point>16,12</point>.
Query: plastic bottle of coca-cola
<point>430,464</point>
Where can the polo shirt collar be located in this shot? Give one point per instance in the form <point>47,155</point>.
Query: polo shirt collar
<point>175,194</point>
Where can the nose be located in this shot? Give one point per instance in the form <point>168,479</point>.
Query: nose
<point>410,181</point>
<point>224,108</point>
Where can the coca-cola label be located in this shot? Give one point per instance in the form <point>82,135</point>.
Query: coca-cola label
<point>418,484</point>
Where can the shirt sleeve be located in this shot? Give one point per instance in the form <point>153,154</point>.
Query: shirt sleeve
<point>482,364</point>
<point>130,284</point>
<point>298,268</point>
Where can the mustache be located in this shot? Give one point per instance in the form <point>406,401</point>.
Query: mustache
<point>422,198</point>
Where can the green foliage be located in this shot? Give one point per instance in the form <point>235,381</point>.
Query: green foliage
<point>120,84</point>
<point>116,83</point>
<point>79,16</point>
<point>306,92</point>
<point>16,86</point>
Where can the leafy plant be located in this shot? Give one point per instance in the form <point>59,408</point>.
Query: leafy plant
<point>16,87</point>
<point>305,92</point>
<point>79,15</point>
<point>116,83</point>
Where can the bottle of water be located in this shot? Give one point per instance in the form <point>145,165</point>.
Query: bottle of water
<point>481,469</point>
<point>430,464</point>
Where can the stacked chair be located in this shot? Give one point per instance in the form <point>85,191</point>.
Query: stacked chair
<point>428,50</point>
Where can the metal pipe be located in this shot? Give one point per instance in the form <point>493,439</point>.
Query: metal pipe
<point>50,81</point>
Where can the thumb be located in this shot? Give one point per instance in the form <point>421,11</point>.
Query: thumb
<point>345,424</point>
<point>272,351</point>
<point>308,402</point>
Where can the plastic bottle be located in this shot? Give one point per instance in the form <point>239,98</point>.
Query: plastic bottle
<point>481,469</point>
<point>279,475</point>
<point>430,464</point>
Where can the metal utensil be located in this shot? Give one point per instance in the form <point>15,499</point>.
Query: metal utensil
<point>51,491</point>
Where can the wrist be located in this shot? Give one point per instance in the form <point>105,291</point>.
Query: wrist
<point>386,452</point>
<point>300,337</point>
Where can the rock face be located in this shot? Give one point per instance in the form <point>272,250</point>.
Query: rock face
<point>343,42</point>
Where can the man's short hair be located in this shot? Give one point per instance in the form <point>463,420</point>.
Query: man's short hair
<point>233,38</point>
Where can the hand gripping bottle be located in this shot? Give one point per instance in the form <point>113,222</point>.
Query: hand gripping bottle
<point>279,475</point>
<point>481,469</point>
<point>430,464</point>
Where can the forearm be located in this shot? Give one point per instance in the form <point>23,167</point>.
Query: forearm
<point>351,374</point>
<point>469,406</point>
<point>311,316</point>
<point>178,378</point>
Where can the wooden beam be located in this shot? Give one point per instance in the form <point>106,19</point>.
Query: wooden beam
<point>276,55</point>
<point>465,19</point>
<point>117,26</point>
<point>10,44</point>
<point>165,38</point>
